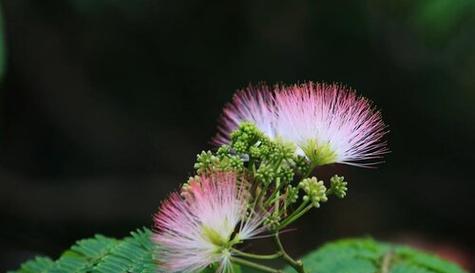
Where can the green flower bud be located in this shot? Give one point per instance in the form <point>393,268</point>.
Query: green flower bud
<point>235,162</point>
<point>245,137</point>
<point>230,163</point>
<point>205,162</point>
<point>265,174</point>
<point>186,186</point>
<point>224,150</point>
<point>302,164</point>
<point>240,147</point>
<point>272,221</point>
<point>292,194</point>
<point>261,149</point>
<point>285,173</point>
<point>315,191</point>
<point>255,152</point>
<point>338,186</point>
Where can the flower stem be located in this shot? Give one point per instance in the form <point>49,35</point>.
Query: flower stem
<point>277,189</point>
<point>296,264</point>
<point>257,256</point>
<point>253,265</point>
<point>301,210</point>
<point>261,194</point>
<point>276,202</point>
<point>310,170</point>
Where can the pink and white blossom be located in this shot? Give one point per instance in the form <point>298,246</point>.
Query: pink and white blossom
<point>328,123</point>
<point>198,226</point>
<point>253,104</point>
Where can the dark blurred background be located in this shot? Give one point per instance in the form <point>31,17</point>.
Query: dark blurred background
<point>105,104</point>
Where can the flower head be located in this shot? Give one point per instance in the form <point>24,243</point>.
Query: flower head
<point>328,122</point>
<point>199,226</point>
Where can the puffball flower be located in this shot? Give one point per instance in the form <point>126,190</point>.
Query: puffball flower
<point>328,123</point>
<point>199,226</point>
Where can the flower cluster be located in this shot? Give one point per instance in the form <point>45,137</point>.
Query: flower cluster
<point>328,123</point>
<point>259,179</point>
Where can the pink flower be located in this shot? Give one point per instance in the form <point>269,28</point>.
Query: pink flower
<point>254,104</point>
<point>199,227</point>
<point>328,123</point>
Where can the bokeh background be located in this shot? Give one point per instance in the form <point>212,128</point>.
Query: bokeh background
<point>105,104</point>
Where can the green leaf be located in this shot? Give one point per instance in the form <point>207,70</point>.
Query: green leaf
<point>39,264</point>
<point>369,256</point>
<point>133,254</point>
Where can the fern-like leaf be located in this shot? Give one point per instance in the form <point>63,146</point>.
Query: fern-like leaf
<point>133,254</point>
<point>37,265</point>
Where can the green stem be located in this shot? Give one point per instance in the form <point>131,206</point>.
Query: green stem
<point>297,216</point>
<point>310,170</point>
<point>296,264</point>
<point>259,197</point>
<point>253,265</point>
<point>257,256</point>
<point>301,207</point>
<point>251,167</point>
<point>276,203</point>
<point>274,194</point>
<point>301,210</point>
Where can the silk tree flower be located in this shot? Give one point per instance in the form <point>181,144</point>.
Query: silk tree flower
<point>254,104</point>
<point>199,226</point>
<point>328,123</point>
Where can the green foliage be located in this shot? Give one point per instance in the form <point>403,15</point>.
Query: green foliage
<point>369,256</point>
<point>39,264</point>
<point>439,18</point>
<point>133,254</point>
